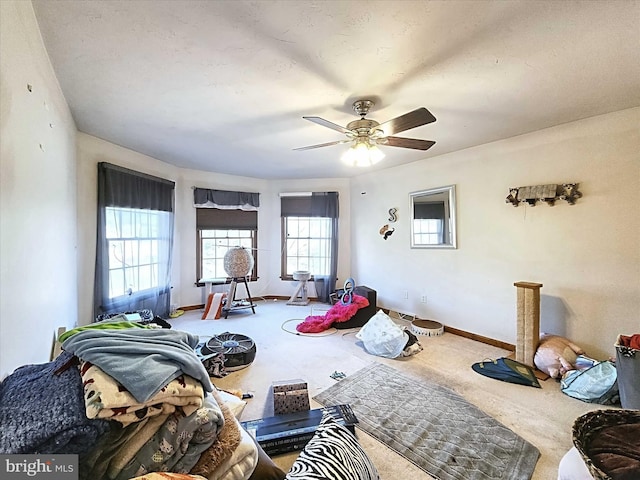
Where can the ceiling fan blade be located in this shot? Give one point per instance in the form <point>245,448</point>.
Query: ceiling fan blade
<point>416,118</point>
<point>409,143</point>
<point>324,144</point>
<point>327,123</point>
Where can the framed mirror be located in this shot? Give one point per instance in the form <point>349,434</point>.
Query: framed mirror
<point>433,218</point>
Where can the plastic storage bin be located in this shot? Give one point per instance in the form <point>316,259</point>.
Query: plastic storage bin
<point>628,365</point>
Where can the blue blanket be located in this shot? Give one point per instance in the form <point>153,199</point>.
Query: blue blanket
<point>44,413</point>
<point>143,361</point>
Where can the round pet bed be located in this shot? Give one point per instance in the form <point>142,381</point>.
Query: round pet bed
<point>604,439</point>
<point>428,328</point>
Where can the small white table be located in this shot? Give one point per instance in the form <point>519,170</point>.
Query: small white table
<point>209,282</point>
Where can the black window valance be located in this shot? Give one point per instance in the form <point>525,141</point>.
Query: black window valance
<point>225,199</point>
<point>318,204</point>
<point>125,188</point>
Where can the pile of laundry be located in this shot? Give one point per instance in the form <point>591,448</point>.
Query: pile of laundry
<point>129,400</point>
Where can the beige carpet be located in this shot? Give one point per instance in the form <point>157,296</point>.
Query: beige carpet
<point>541,416</point>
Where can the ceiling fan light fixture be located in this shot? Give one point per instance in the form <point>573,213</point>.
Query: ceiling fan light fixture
<point>362,154</point>
<point>365,135</point>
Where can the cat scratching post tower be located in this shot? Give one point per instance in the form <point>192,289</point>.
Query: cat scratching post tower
<point>299,297</point>
<point>528,321</point>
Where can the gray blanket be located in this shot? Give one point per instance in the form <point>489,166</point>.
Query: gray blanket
<point>44,413</point>
<point>143,361</point>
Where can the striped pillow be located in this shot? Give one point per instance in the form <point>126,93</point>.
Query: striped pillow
<point>333,454</point>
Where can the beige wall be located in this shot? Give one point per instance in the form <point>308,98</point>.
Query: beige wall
<point>586,255</point>
<point>38,281</point>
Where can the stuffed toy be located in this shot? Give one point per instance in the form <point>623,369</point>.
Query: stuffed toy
<point>556,355</point>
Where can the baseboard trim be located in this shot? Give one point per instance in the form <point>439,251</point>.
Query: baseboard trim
<point>461,333</point>
<point>473,336</point>
<point>479,338</point>
<point>191,307</point>
<point>266,297</point>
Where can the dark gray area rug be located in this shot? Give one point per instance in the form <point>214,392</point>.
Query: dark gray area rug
<point>432,426</point>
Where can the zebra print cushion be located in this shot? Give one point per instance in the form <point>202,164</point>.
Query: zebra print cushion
<point>333,454</point>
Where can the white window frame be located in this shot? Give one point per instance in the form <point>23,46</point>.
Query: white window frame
<point>134,242</point>
<point>223,239</point>
<point>428,231</point>
<point>306,245</point>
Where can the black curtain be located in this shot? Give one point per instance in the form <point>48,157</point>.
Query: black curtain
<point>120,187</point>
<point>318,204</point>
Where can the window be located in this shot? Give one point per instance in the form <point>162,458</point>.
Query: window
<point>427,231</point>
<point>217,231</point>
<point>134,243</point>
<point>429,226</point>
<point>214,244</point>
<point>310,238</point>
<point>307,245</point>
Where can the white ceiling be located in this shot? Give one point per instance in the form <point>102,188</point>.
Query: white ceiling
<point>222,85</point>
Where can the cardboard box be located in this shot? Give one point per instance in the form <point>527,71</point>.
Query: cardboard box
<point>290,396</point>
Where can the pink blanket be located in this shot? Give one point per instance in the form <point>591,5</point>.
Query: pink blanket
<point>337,313</point>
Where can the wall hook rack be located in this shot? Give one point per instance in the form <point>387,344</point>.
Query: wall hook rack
<point>544,193</point>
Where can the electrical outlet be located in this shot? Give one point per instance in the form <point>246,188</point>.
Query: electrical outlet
<point>423,298</point>
<point>405,294</point>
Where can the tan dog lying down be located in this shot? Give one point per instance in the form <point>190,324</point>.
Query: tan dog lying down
<point>556,355</point>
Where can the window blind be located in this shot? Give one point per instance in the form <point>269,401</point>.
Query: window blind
<point>213,218</point>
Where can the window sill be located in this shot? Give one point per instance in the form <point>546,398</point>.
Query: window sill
<point>220,281</point>
<point>289,278</point>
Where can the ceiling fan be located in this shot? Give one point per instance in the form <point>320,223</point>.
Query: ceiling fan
<point>365,135</point>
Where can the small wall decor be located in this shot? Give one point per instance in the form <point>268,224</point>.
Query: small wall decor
<point>544,193</point>
<point>392,215</point>
<point>386,232</point>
